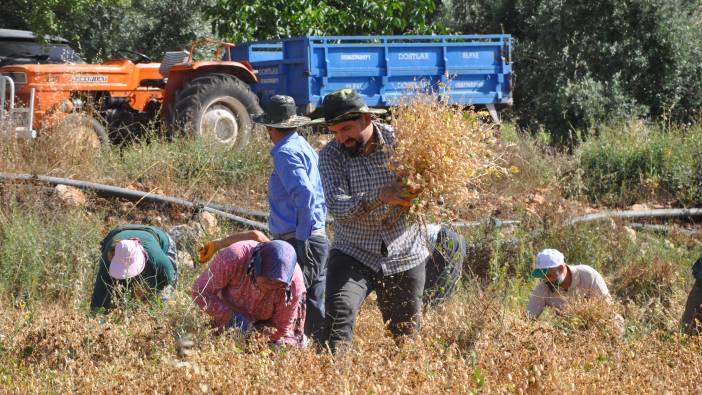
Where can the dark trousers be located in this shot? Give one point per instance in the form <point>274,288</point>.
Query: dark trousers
<point>692,317</point>
<point>444,267</point>
<point>173,255</point>
<point>349,282</point>
<point>312,257</point>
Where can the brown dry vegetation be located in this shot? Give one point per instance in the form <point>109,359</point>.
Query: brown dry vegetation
<point>190,169</point>
<point>445,152</point>
<point>469,344</point>
<point>478,341</point>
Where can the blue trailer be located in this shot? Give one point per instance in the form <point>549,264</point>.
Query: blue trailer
<point>469,69</point>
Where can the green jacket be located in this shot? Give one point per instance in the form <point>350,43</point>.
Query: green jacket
<point>158,271</point>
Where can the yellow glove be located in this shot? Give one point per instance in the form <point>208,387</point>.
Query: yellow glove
<point>206,252</point>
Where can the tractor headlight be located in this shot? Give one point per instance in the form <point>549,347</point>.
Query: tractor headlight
<point>17,77</point>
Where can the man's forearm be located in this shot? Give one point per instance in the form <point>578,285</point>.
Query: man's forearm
<point>347,208</point>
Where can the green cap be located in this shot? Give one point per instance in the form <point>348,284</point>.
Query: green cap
<point>540,273</point>
<point>341,105</point>
<point>281,114</point>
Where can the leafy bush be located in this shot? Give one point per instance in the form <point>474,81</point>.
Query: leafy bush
<point>635,163</point>
<point>100,27</point>
<point>256,20</point>
<point>588,102</point>
<point>583,63</point>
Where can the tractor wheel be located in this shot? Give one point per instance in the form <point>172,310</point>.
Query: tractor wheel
<point>83,129</point>
<point>217,106</point>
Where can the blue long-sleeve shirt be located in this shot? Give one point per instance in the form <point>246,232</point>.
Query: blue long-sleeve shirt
<point>295,194</point>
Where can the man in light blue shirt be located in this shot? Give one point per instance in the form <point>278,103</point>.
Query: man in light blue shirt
<point>296,200</point>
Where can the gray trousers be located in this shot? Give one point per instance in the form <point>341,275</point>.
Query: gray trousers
<point>692,316</point>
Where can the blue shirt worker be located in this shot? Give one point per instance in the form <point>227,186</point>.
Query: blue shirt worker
<point>296,199</point>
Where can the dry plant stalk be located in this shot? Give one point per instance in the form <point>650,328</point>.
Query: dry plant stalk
<point>445,151</point>
<point>66,148</point>
<point>463,347</point>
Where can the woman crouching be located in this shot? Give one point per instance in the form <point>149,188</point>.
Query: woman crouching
<point>251,284</point>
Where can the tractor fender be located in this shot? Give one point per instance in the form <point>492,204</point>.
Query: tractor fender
<point>179,74</point>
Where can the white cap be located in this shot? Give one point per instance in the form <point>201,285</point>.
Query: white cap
<point>547,259</point>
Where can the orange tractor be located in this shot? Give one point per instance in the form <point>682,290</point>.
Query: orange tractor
<point>202,98</point>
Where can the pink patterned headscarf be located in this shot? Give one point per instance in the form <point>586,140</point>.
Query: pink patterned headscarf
<point>276,260</point>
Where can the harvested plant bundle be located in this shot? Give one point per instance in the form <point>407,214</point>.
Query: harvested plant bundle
<point>443,150</point>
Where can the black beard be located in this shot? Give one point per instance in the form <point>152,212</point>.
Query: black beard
<point>355,150</point>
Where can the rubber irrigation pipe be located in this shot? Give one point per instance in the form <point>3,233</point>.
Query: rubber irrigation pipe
<point>226,210</point>
<point>260,215</point>
<point>662,229</point>
<point>215,208</point>
<point>131,194</point>
<point>264,217</point>
<point>638,214</point>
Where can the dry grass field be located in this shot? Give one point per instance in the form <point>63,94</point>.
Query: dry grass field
<point>479,341</point>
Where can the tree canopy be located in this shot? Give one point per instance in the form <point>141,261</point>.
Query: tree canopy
<point>578,64</point>
<point>581,63</point>
<point>263,19</point>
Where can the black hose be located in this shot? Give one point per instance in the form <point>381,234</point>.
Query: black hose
<point>130,194</point>
<point>637,214</point>
<point>496,223</point>
<point>241,211</point>
<point>662,229</point>
<point>226,210</point>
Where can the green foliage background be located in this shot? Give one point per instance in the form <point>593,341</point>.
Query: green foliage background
<point>99,28</point>
<point>263,19</point>
<point>578,64</point>
<point>582,63</point>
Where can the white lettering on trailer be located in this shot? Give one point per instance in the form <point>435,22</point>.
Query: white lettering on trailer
<point>357,86</point>
<point>411,85</point>
<point>89,78</point>
<point>469,84</point>
<point>471,55</point>
<point>355,56</point>
<point>268,81</point>
<point>413,56</point>
<point>268,70</point>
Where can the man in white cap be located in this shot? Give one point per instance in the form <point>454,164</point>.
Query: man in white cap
<point>562,283</point>
<point>134,256</point>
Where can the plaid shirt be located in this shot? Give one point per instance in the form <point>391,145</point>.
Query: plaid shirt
<point>351,187</point>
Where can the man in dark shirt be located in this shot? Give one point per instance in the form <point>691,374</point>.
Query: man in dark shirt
<point>692,316</point>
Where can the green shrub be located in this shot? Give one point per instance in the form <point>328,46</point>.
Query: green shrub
<point>581,63</point>
<point>635,163</point>
<point>47,254</point>
<point>189,165</point>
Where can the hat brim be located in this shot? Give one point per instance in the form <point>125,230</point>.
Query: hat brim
<point>123,271</point>
<point>295,121</point>
<point>344,117</point>
<point>540,273</point>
